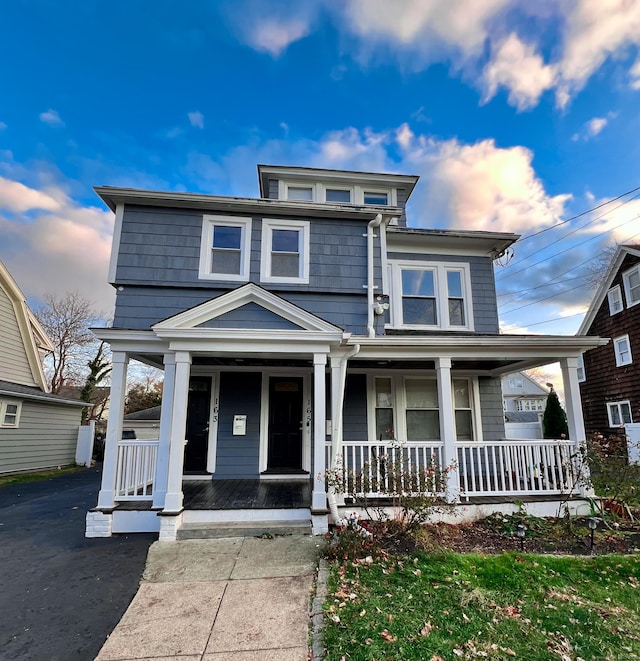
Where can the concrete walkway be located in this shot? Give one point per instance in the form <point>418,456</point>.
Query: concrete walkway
<point>237,598</point>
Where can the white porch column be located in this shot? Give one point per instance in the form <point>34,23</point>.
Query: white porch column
<point>447,426</point>
<point>575,419</point>
<point>173,498</point>
<point>319,496</point>
<point>336,410</point>
<point>106,497</point>
<point>166,415</point>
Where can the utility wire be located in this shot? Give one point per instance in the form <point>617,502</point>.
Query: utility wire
<point>548,321</point>
<point>540,300</point>
<point>584,213</point>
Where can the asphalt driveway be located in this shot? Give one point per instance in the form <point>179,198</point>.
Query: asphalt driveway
<point>61,595</point>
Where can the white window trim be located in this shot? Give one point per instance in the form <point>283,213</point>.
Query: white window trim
<point>440,269</point>
<point>619,362</point>
<point>319,191</point>
<point>206,247</point>
<point>399,400</point>
<point>3,412</point>
<point>269,224</point>
<point>627,290</point>
<point>611,297</point>
<point>618,405</point>
<point>582,374</point>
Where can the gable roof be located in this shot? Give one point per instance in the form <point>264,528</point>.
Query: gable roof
<point>31,332</point>
<point>605,285</point>
<point>249,293</point>
<point>530,387</point>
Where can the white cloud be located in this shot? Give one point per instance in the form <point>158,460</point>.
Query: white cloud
<point>196,119</point>
<point>634,74</point>
<point>3,126</point>
<point>51,117</point>
<point>18,198</point>
<point>516,66</point>
<point>274,36</point>
<point>50,243</point>
<point>595,125</point>
<point>462,24</point>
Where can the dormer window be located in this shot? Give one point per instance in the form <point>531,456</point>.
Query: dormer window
<point>304,193</point>
<point>338,195</point>
<point>375,197</point>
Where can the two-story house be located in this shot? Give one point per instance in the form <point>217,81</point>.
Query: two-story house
<point>610,379</point>
<point>302,328</point>
<point>38,430</point>
<point>524,401</point>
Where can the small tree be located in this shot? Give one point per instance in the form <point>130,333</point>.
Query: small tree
<point>67,320</point>
<point>554,420</point>
<point>142,396</point>
<point>99,367</point>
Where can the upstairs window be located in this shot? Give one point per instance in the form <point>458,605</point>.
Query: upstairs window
<point>530,404</point>
<point>622,350</point>
<point>375,197</point>
<point>338,195</point>
<point>9,413</point>
<point>300,193</point>
<point>619,413</point>
<point>431,296</point>
<point>285,251</point>
<point>614,295</point>
<point>631,281</point>
<point>225,248</point>
<point>582,375</point>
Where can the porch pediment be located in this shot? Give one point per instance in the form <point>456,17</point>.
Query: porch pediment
<point>249,307</point>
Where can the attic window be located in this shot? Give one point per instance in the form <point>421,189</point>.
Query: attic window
<point>9,413</point>
<point>631,281</point>
<point>338,195</point>
<point>614,296</point>
<point>375,197</point>
<point>304,193</point>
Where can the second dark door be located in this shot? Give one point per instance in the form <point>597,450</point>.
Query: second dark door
<point>285,424</point>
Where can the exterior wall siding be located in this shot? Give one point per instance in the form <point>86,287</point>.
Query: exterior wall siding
<point>14,365</point>
<point>483,287</point>
<point>491,409</point>
<point>238,456</point>
<point>251,315</point>
<point>46,437</point>
<point>606,382</point>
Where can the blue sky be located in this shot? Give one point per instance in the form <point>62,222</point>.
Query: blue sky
<point>515,118</point>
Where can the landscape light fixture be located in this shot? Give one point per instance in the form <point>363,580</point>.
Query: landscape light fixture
<point>521,531</point>
<point>593,524</point>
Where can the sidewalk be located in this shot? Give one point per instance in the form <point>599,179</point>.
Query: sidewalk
<point>238,598</point>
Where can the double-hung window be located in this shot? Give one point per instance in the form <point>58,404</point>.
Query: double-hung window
<point>225,248</point>
<point>422,411</point>
<point>9,413</point>
<point>631,279</point>
<point>622,350</point>
<point>431,296</point>
<point>614,296</point>
<point>285,251</point>
<point>619,413</point>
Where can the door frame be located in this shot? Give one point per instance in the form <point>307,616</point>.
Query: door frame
<point>214,404</point>
<point>307,419</point>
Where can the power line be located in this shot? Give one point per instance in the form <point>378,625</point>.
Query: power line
<point>540,300</point>
<point>548,321</point>
<point>584,213</point>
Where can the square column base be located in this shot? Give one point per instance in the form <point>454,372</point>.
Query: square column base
<point>98,524</point>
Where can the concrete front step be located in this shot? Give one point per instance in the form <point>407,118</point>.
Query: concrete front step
<point>243,529</point>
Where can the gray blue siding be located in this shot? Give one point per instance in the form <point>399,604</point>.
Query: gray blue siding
<point>251,315</point>
<point>491,409</point>
<point>238,456</point>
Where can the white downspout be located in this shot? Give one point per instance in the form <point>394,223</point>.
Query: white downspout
<point>370,286</point>
<point>336,432</point>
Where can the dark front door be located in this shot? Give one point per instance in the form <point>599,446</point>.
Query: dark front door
<point>197,435</point>
<point>285,424</point>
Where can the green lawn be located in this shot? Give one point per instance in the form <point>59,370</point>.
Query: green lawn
<point>22,478</point>
<point>437,607</point>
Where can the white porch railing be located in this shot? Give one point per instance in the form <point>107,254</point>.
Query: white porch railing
<point>135,469</point>
<point>518,467</point>
<point>503,468</point>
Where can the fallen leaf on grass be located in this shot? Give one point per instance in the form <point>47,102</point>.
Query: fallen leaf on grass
<point>388,637</point>
<point>426,629</point>
<point>511,611</point>
<point>436,658</point>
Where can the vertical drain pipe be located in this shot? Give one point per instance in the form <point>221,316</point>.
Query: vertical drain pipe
<point>370,286</point>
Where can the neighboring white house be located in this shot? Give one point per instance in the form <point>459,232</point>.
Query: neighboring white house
<point>38,430</point>
<point>524,401</point>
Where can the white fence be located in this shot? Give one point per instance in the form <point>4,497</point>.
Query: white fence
<point>504,468</point>
<point>135,469</point>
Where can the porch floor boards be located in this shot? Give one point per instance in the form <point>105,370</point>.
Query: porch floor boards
<point>246,494</point>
